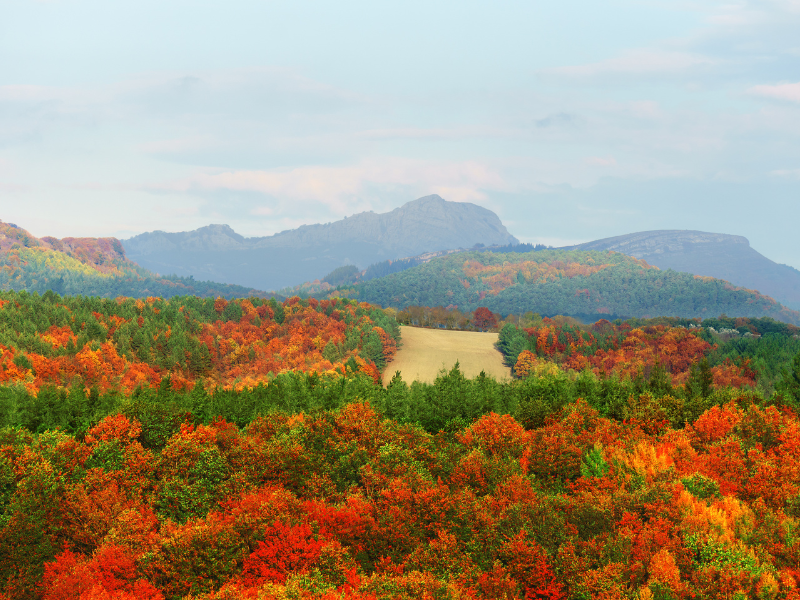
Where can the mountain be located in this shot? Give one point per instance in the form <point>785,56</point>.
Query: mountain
<point>311,251</point>
<point>727,257</point>
<point>585,284</point>
<point>90,267</point>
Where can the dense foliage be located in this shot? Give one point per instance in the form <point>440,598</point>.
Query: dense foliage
<point>739,352</point>
<point>553,282</point>
<point>213,449</point>
<point>90,266</point>
<point>345,502</point>
<point>124,343</point>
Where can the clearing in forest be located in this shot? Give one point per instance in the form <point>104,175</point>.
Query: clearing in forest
<point>425,352</point>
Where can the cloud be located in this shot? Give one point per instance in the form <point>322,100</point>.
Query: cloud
<point>26,93</point>
<point>191,143</point>
<point>421,133</point>
<point>339,187</point>
<point>12,188</point>
<point>557,120</point>
<point>787,173</point>
<point>782,91</point>
<point>598,161</point>
<point>643,61</point>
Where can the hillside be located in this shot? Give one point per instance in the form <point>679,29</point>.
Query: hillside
<point>123,344</point>
<point>727,257</point>
<point>570,282</point>
<point>90,267</point>
<point>291,257</point>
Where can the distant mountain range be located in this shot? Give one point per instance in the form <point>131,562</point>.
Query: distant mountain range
<point>727,257</point>
<point>310,252</point>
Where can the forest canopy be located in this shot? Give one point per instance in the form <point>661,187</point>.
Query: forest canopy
<point>590,285</point>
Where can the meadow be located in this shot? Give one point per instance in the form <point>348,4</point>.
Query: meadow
<point>426,352</point>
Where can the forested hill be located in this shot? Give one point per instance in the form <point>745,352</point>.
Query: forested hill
<point>90,267</point>
<point>727,257</point>
<point>567,282</point>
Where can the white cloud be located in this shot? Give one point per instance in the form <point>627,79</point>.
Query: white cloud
<point>643,61</point>
<point>598,161</point>
<point>437,133</point>
<point>781,91</point>
<point>339,187</point>
<point>787,173</point>
<point>179,145</point>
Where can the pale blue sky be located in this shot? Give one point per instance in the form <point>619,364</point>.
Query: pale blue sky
<point>573,120</point>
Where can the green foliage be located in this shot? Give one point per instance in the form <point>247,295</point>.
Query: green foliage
<point>541,397</point>
<point>593,463</point>
<point>709,552</point>
<point>789,383</point>
<point>342,275</point>
<point>701,486</point>
<point>624,287</point>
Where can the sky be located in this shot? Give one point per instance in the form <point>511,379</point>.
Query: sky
<point>573,120</point>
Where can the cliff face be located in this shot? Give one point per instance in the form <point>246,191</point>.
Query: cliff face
<point>311,251</point>
<point>728,257</point>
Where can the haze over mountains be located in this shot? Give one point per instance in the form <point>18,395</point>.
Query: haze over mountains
<point>310,252</point>
<point>718,255</point>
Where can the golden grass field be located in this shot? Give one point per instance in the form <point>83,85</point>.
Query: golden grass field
<point>425,352</point>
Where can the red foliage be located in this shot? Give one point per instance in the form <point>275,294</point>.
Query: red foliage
<point>285,549</point>
<point>241,354</point>
<point>496,434</point>
<point>109,573</point>
<point>484,319</point>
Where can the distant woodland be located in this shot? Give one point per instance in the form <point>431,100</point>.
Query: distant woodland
<point>128,343</point>
<point>551,282</point>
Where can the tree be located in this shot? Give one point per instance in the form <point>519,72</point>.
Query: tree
<point>484,319</point>
<point>789,384</point>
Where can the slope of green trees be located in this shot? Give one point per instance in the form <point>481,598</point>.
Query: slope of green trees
<point>614,285</point>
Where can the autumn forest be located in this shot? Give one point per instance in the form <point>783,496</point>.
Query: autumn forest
<point>213,448</point>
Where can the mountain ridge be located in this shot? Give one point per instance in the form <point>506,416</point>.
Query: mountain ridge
<point>718,255</point>
<point>427,224</point>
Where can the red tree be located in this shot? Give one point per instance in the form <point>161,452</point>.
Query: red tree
<point>484,319</point>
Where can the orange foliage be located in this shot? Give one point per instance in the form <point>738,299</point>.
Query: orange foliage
<point>500,277</point>
<point>628,352</point>
<point>242,353</point>
<point>424,516</point>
